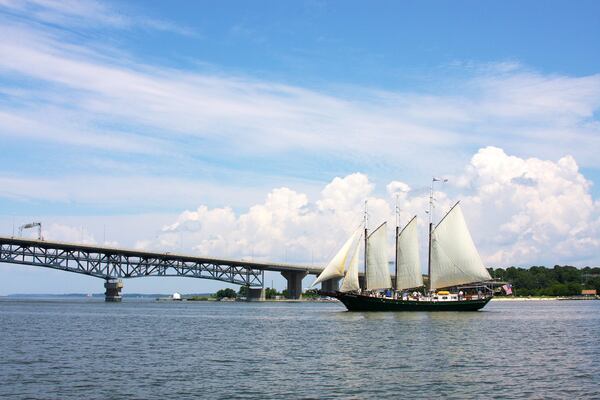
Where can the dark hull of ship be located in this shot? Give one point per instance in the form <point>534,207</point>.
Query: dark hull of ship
<point>357,302</point>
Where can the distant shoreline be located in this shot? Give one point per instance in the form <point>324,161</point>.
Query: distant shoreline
<point>208,297</point>
<point>539,298</point>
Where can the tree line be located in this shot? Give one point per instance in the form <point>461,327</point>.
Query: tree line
<point>270,293</point>
<point>560,280</point>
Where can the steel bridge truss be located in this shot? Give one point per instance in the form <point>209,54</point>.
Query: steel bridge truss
<point>106,264</point>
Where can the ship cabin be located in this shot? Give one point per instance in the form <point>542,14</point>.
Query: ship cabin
<point>444,295</point>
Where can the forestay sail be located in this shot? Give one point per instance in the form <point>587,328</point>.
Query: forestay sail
<point>454,258</point>
<point>350,283</point>
<point>335,268</point>
<point>378,273</point>
<point>408,273</point>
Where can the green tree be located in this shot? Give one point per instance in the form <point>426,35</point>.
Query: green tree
<point>310,294</point>
<point>270,293</point>
<point>573,288</point>
<point>230,293</point>
<point>559,280</point>
<point>243,292</point>
<point>593,283</point>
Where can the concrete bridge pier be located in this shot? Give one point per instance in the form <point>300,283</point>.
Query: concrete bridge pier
<point>294,283</point>
<point>330,285</point>
<point>113,290</point>
<point>255,294</point>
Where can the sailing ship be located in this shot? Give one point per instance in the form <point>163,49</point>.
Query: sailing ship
<point>456,273</point>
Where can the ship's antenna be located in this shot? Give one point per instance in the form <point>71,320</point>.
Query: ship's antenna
<point>366,215</point>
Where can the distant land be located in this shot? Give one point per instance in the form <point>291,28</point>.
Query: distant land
<point>99,295</point>
<point>559,280</point>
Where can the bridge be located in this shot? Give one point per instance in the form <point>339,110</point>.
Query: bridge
<point>113,264</point>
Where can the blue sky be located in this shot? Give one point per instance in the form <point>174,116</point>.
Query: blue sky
<point>141,111</point>
<point>316,40</point>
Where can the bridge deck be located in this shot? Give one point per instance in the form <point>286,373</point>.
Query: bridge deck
<point>114,263</point>
<point>268,266</point>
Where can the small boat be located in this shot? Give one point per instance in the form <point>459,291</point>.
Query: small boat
<point>457,276</point>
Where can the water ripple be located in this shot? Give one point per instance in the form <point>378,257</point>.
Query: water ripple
<point>139,350</point>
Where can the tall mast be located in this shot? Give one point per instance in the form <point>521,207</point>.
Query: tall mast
<point>366,234</point>
<point>429,259</point>
<point>434,179</point>
<point>396,252</point>
<point>430,229</point>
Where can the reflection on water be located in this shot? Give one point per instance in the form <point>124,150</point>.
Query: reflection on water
<point>89,349</point>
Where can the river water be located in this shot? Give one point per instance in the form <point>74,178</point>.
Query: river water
<point>76,349</point>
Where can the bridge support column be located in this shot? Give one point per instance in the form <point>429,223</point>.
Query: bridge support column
<point>113,290</point>
<point>330,285</point>
<point>255,294</point>
<point>294,283</point>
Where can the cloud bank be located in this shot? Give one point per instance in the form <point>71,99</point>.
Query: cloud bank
<point>521,212</point>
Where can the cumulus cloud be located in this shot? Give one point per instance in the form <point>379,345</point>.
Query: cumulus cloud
<point>397,188</point>
<point>521,212</point>
<point>532,210</point>
<point>286,226</point>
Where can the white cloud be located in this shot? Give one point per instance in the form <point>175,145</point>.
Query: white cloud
<point>531,210</point>
<point>397,188</point>
<point>521,211</point>
<point>66,233</point>
<point>62,233</point>
<point>286,226</point>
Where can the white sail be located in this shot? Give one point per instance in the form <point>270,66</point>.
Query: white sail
<point>408,274</point>
<point>335,268</point>
<point>378,272</point>
<point>350,283</point>
<point>454,258</point>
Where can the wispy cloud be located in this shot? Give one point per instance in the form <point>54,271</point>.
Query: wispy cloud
<point>126,193</point>
<point>513,108</point>
<point>87,14</point>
